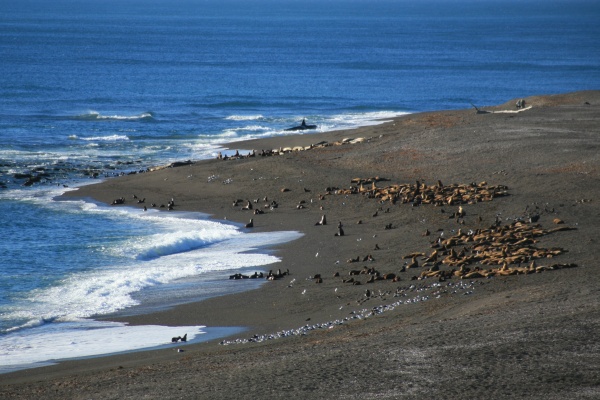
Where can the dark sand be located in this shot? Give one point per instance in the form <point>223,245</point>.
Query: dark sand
<point>533,336</point>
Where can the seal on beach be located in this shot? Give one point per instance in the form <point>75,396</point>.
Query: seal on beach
<point>278,275</point>
<point>256,275</point>
<point>178,338</point>
<point>414,263</point>
<point>323,220</point>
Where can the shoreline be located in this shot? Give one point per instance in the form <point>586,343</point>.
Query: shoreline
<point>547,158</point>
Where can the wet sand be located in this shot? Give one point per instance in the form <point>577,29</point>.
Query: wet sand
<point>528,335</point>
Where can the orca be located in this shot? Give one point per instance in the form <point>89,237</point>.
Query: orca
<point>302,127</point>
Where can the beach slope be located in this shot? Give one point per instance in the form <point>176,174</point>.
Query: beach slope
<point>429,293</point>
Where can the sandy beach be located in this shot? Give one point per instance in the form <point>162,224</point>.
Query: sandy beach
<point>355,318</point>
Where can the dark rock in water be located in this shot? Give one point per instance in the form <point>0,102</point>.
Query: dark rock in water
<point>29,175</point>
<point>32,180</point>
<point>87,172</point>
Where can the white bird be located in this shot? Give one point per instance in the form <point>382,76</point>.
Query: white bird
<point>317,255</point>
<point>304,291</point>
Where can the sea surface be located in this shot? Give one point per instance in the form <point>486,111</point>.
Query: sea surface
<point>93,89</point>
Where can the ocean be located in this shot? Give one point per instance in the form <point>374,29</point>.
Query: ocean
<point>91,90</point>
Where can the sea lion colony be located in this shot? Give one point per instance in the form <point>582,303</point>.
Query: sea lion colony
<point>498,245</point>
<point>505,245</point>
<point>511,244</point>
<point>420,193</point>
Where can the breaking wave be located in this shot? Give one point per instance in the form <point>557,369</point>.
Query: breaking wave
<point>96,116</point>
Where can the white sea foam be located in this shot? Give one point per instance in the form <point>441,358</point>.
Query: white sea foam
<point>180,242</point>
<point>353,120</point>
<point>44,344</point>
<point>244,132</point>
<point>218,138</point>
<point>109,138</point>
<point>95,115</point>
<point>244,117</point>
<point>41,196</point>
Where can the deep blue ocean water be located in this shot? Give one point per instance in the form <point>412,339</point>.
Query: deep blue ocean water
<point>94,89</point>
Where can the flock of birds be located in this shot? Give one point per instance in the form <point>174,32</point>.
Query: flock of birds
<point>412,294</point>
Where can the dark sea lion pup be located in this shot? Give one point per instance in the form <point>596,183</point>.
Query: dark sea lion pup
<point>340,231</point>
<point>178,338</point>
